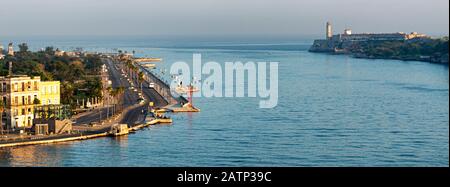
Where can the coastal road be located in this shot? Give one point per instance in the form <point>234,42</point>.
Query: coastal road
<point>130,98</point>
<point>151,94</point>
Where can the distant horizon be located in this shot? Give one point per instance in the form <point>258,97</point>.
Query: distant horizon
<point>4,38</point>
<point>37,42</point>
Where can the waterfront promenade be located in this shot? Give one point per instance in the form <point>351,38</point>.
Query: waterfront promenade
<point>131,113</point>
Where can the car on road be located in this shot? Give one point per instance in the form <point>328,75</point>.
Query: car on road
<point>141,100</point>
<point>151,85</point>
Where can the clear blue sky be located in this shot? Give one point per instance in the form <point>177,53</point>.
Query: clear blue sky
<point>219,17</point>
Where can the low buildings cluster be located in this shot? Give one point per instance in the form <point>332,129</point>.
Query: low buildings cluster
<point>21,94</point>
<point>59,52</point>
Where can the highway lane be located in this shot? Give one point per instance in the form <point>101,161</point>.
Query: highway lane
<point>130,98</point>
<point>94,116</point>
<point>153,96</point>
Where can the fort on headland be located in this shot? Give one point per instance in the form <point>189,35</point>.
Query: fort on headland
<point>347,41</point>
<point>399,45</point>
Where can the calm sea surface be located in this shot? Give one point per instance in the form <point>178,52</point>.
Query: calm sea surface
<point>332,111</point>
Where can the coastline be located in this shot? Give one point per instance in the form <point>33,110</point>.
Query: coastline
<point>361,56</point>
<point>84,132</point>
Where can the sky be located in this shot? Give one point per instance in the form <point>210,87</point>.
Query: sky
<point>219,17</point>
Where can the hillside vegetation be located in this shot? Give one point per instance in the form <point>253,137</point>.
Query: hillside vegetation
<point>78,75</point>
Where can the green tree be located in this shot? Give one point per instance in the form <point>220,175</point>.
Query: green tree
<point>141,79</point>
<point>23,47</point>
<point>49,51</point>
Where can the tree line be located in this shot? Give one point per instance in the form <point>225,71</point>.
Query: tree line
<point>79,75</point>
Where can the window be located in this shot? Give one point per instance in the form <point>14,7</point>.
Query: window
<point>29,121</point>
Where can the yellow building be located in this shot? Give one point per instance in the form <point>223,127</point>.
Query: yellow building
<point>49,93</point>
<point>19,94</point>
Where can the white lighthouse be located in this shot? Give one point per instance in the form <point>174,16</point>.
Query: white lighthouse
<point>329,31</point>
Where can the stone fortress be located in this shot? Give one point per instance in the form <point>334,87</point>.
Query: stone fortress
<point>343,43</point>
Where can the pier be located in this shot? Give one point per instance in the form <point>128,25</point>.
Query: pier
<point>140,60</point>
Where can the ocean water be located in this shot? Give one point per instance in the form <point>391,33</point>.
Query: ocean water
<point>332,111</point>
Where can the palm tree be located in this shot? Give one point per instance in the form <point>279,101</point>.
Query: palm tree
<point>129,65</point>
<point>135,73</point>
<point>141,79</point>
<point>120,92</point>
<point>114,94</point>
